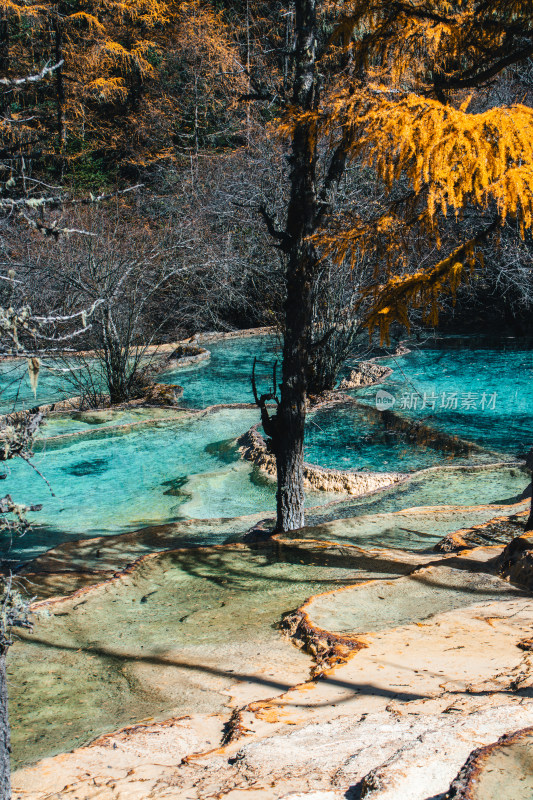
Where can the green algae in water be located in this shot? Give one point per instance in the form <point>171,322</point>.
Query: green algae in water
<point>227,451</point>
<point>166,640</point>
<point>172,636</point>
<point>96,466</point>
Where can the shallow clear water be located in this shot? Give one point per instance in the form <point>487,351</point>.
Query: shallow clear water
<point>480,394</point>
<point>413,598</point>
<point>175,634</point>
<point>16,392</point>
<point>167,640</point>
<point>95,422</point>
<point>344,437</point>
<point>122,479</point>
<point>225,378</point>
<point>492,388</point>
<point>416,529</point>
<point>439,487</point>
<point>129,479</point>
<point>121,474</point>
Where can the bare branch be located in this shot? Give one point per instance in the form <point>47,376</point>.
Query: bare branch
<point>13,83</point>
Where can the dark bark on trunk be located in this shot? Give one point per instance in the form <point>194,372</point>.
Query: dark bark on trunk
<point>289,440</point>
<point>529,465</point>
<point>302,262</point>
<point>4,47</point>
<point>5,746</point>
<point>60,86</point>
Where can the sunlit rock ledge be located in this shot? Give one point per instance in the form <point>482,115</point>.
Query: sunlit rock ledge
<point>367,373</point>
<point>430,668</point>
<point>253,448</point>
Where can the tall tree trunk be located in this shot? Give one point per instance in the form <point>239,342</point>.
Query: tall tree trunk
<point>5,746</point>
<point>4,46</point>
<point>60,87</point>
<point>529,465</point>
<point>302,264</point>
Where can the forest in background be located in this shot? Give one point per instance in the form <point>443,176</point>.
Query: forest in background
<point>165,112</point>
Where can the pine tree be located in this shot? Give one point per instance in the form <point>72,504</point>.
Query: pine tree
<point>401,89</point>
<point>426,123</point>
<point>138,83</point>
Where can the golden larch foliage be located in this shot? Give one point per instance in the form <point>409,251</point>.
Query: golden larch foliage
<point>414,122</point>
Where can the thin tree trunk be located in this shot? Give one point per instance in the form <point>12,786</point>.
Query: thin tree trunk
<point>302,264</point>
<point>529,523</point>
<point>60,87</point>
<point>5,746</point>
<point>529,465</point>
<point>4,46</point>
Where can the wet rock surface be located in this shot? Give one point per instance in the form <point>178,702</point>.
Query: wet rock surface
<point>499,531</point>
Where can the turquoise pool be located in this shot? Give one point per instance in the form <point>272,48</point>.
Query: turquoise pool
<point>126,478</point>
<point>344,437</point>
<point>481,394</point>
<point>225,378</point>
<point>127,472</point>
<point>16,392</point>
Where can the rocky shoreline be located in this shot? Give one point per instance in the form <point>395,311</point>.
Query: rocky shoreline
<point>378,685</point>
<point>390,712</point>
